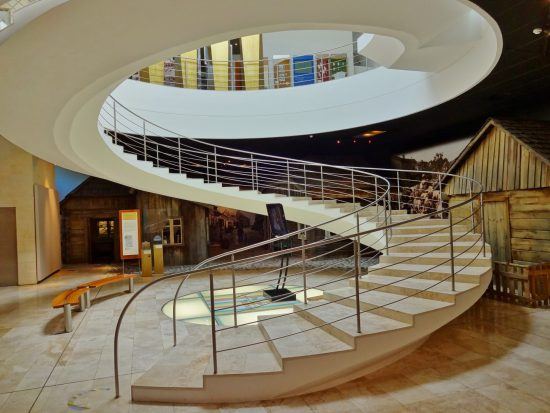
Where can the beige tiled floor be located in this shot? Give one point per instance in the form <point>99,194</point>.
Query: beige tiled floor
<point>495,358</point>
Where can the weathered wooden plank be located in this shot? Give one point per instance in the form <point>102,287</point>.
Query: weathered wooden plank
<point>529,215</point>
<point>506,142</point>
<point>531,234</point>
<point>503,138</point>
<point>524,168</point>
<point>538,167</point>
<point>490,163</point>
<point>532,170</point>
<point>495,145</point>
<point>530,256</point>
<point>533,223</point>
<point>528,244</point>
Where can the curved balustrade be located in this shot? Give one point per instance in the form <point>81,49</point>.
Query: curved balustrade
<point>366,205</point>
<point>267,73</point>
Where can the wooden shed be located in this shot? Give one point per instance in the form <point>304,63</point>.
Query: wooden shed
<point>89,224</point>
<point>511,159</point>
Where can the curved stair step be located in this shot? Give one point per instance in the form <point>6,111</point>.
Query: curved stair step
<point>324,313</point>
<point>429,272</point>
<point>307,340</point>
<point>442,246</point>
<point>437,258</point>
<point>395,306</point>
<point>420,288</point>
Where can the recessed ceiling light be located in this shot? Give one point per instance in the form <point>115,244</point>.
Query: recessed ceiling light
<point>537,30</point>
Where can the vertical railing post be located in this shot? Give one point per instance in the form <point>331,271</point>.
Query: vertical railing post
<point>353,189</point>
<point>234,288</point>
<point>215,165</point>
<point>305,181</point>
<point>179,155</point>
<point>472,218</point>
<point>452,249</point>
<point>213,323</point>
<point>303,241</point>
<point>252,169</point>
<point>288,177</point>
<point>144,142</point>
<point>207,169</point>
<point>257,177</point>
<point>376,194</point>
<point>440,194</point>
<point>114,122</point>
<point>357,263</point>
<point>158,158</point>
<point>482,222</point>
<point>386,224</point>
<point>398,192</point>
<point>322,185</point>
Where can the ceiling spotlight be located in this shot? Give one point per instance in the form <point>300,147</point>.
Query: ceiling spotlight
<point>310,136</point>
<point>537,30</point>
<point>338,142</point>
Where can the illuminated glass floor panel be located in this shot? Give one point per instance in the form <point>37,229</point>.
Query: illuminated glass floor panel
<point>195,308</point>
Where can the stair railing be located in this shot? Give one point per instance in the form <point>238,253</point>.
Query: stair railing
<point>370,212</point>
<point>266,73</point>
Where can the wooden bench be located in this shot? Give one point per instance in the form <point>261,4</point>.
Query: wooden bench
<point>67,299</point>
<point>110,280</point>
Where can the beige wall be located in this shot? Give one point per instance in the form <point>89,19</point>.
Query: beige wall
<point>19,171</point>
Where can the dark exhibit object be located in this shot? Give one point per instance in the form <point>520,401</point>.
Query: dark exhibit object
<point>277,222</point>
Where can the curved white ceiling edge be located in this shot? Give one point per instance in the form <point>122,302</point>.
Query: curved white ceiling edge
<point>50,107</point>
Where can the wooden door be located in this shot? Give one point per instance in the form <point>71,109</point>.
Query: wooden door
<point>497,229</point>
<point>8,247</point>
<point>102,242</point>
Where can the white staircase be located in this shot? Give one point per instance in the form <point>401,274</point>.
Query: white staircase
<point>409,273</point>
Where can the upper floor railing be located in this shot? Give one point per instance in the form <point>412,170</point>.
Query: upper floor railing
<point>236,74</point>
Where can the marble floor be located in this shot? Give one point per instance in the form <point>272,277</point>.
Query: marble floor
<point>494,358</point>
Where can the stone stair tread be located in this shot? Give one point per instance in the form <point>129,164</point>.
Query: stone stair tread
<point>419,283</point>
<point>416,268</point>
<point>314,341</point>
<point>257,358</point>
<point>438,254</point>
<point>440,243</point>
<point>183,365</point>
<point>427,236</point>
<point>328,312</point>
<point>398,302</point>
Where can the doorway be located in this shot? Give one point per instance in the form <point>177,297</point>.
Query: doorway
<point>8,247</point>
<point>497,228</point>
<point>103,240</point>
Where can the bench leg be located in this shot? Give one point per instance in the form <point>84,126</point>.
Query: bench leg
<point>131,285</point>
<point>68,318</point>
<point>82,302</point>
<point>88,299</point>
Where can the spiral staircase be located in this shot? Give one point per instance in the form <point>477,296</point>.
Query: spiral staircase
<point>394,269</point>
<point>408,275</point>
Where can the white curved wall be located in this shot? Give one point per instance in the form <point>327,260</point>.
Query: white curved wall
<point>56,71</point>
<point>449,60</point>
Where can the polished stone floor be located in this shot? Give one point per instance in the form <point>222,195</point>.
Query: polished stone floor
<point>494,358</point>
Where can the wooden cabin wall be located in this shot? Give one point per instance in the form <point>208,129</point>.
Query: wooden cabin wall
<point>157,209</point>
<point>500,163</point>
<point>517,223</point>
<point>76,213</point>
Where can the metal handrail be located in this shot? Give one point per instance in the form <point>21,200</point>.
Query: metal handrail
<point>204,73</point>
<point>365,187</point>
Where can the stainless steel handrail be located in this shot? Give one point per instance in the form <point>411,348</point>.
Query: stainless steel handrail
<point>212,74</point>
